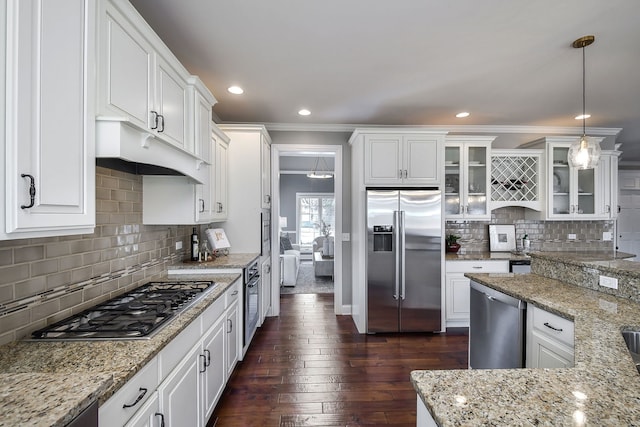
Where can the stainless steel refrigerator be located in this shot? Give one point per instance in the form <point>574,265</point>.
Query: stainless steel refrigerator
<point>404,260</point>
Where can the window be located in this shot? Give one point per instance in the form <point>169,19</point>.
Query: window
<point>313,211</point>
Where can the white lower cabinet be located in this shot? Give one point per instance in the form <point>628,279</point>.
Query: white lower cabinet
<point>149,414</point>
<point>182,385</point>
<point>214,375</point>
<point>233,339</point>
<point>457,287</point>
<point>265,290</point>
<point>178,393</point>
<point>423,417</point>
<point>549,340</point>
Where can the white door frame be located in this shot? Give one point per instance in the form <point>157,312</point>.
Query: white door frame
<point>276,151</point>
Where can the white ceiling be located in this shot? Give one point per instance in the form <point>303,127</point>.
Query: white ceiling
<point>413,62</point>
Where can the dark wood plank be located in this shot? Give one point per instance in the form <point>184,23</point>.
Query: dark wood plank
<point>309,367</point>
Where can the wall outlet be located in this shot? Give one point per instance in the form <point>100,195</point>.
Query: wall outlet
<point>178,245</point>
<point>607,236</point>
<point>571,237</point>
<point>346,237</point>
<point>609,282</point>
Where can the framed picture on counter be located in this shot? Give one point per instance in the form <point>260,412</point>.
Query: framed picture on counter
<point>502,238</point>
<point>217,238</point>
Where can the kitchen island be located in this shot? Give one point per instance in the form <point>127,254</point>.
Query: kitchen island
<point>49,383</point>
<point>601,389</point>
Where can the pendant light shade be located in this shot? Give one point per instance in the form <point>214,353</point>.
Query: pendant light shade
<point>585,152</point>
<point>320,173</point>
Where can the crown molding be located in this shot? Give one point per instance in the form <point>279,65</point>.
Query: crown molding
<point>450,129</point>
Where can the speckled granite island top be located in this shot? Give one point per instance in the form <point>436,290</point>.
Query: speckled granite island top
<point>49,383</point>
<point>602,389</point>
<point>226,261</point>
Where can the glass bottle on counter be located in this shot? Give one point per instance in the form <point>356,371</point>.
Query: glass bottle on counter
<point>195,252</point>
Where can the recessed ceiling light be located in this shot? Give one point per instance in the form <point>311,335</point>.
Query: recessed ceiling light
<point>236,90</point>
<point>304,112</point>
<point>583,116</point>
<point>462,115</point>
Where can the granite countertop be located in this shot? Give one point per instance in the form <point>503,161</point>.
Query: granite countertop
<point>601,389</point>
<point>49,383</point>
<point>233,261</point>
<point>485,256</point>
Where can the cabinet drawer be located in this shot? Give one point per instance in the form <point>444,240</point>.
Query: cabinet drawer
<point>233,293</point>
<point>173,353</point>
<point>553,326</point>
<point>132,394</point>
<point>213,312</point>
<point>501,266</point>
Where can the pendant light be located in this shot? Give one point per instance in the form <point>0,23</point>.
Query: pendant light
<point>320,173</point>
<point>585,152</point>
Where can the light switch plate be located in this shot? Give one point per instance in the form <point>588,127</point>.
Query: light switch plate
<point>607,236</point>
<point>346,237</point>
<point>178,245</point>
<point>609,282</point>
<point>571,237</point>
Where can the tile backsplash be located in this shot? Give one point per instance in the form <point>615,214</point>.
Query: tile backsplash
<point>544,235</point>
<point>47,279</point>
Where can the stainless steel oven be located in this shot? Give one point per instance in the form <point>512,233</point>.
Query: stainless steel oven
<point>251,278</point>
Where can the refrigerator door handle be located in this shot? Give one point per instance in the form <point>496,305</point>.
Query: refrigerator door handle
<point>396,238</point>
<point>402,255</point>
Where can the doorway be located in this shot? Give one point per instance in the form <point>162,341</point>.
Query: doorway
<point>293,223</point>
<point>627,226</point>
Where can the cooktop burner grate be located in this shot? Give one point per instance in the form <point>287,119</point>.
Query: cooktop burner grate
<point>134,315</point>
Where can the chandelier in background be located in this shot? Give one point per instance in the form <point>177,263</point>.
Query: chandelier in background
<point>585,152</point>
<point>322,173</point>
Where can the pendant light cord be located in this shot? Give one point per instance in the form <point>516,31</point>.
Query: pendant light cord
<point>584,96</point>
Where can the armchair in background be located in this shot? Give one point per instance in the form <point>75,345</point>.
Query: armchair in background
<point>290,260</point>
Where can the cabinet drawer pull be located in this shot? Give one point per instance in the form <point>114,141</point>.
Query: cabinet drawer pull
<point>204,363</point>
<point>154,120</point>
<point>201,205</point>
<point>235,292</point>
<point>162,121</point>
<point>143,391</point>
<point>158,414</point>
<point>32,190</point>
<point>230,323</point>
<point>477,267</point>
<point>208,353</point>
<point>551,327</point>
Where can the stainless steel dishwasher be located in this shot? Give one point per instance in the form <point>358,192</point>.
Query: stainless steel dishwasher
<point>496,329</point>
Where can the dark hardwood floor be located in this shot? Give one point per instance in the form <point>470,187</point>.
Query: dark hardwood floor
<point>309,367</point>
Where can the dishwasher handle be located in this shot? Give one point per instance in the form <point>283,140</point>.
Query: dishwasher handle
<point>498,297</point>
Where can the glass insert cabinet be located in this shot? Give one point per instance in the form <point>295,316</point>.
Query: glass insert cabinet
<point>467,177</point>
<point>573,190</point>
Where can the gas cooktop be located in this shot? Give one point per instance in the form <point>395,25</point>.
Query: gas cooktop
<point>137,314</point>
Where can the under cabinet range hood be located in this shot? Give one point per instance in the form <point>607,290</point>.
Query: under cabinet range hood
<point>136,151</point>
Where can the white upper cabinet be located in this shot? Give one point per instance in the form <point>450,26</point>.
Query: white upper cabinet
<point>467,177</point>
<point>220,206</point>
<point>139,79</point>
<point>201,101</point>
<point>412,159</point>
<point>573,193</point>
<point>609,183</point>
<point>47,127</point>
<point>266,173</point>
